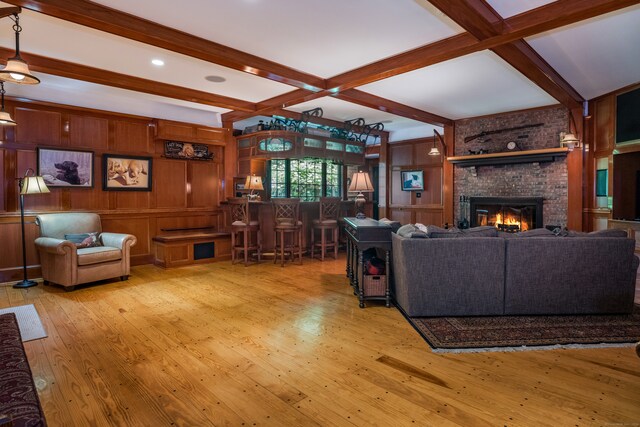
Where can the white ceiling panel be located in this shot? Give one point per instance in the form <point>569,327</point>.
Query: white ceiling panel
<point>596,56</point>
<point>507,8</point>
<point>322,38</point>
<point>473,85</point>
<point>58,89</point>
<point>66,41</point>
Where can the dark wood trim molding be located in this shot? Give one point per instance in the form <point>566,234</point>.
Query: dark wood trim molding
<point>71,70</point>
<point>122,24</point>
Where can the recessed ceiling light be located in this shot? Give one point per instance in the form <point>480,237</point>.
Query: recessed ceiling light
<point>157,62</point>
<point>215,79</point>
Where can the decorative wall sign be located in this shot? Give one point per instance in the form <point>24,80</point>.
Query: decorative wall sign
<point>65,168</point>
<point>122,173</point>
<point>186,150</point>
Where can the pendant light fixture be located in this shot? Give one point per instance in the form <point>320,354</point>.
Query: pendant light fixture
<point>5,118</point>
<point>17,70</point>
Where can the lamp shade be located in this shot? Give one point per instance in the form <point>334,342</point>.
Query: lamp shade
<point>5,119</point>
<point>33,185</point>
<point>434,151</point>
<point>17,71</point>
<point>253,183</point>
<point>570,138</point>
<point>360,182</point>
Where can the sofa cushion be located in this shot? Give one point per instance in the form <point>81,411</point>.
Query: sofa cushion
<point>435,232</point>
<point>97,255</point>
<point>609,232</point>
<point>406,230</point>
<point>536,232</point>
<point>482,231</point>
<point>84,240</point>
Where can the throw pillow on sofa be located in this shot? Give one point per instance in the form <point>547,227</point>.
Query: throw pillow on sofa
<point>536,232</point>
<point>435,232</point>
<point>84,240</point>
<point>406,230</point>
<point>609,232</point>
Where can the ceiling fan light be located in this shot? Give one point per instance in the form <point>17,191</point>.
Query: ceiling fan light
<point>17,71</point>
<point>5,119</point>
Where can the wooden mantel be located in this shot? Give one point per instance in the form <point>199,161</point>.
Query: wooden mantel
<point>510,157</point>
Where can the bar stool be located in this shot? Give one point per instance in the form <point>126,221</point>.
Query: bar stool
<point>327,221</point>
<point>242,227</point>
<point>286,217</point>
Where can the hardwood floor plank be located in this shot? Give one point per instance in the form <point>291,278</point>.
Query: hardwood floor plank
<point>221,344</point>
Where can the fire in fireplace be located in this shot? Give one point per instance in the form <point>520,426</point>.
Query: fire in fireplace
<point>510,214</point>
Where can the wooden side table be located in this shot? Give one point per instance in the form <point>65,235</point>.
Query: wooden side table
<point>363,234</point>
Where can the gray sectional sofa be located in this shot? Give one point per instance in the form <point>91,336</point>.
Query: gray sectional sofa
<point>453,273</point>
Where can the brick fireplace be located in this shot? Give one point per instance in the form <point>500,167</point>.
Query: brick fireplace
<point>545,181</point>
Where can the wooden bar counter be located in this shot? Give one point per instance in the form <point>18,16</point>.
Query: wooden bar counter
<point>262,211</point>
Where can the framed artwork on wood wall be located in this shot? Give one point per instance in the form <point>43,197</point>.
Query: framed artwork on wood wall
<point>412,181</point>
<point>126,173</point>
<point>65,168</point>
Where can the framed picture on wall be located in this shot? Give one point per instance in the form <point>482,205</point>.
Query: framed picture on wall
<point>412,181</point>
<point>65,168</point>
<point>126,173</point>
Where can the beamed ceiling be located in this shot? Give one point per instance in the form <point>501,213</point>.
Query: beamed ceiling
<point>411,64</point>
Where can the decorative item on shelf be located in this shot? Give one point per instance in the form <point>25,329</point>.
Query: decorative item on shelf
<point>253,183</point>
<point>28,184</point>
<point>186,151</point>
<point>360,183</point>
<point>434,150</point>
<point>16,70</point>
<point>5,118</point>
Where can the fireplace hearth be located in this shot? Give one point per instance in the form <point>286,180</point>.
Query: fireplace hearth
<point>510,214</point>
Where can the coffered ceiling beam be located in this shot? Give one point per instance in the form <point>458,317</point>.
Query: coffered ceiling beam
<point>548,17</point>
<point>6,11</point>
<point>109,78</point>
<point>377,103</point>
<point>122,24</point>
<point>483,22</point>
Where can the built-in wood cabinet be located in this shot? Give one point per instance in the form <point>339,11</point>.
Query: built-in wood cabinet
<point>176,131</point>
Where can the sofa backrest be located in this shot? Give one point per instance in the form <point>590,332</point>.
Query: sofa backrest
<point>58,224</point>
<point>566,275</point>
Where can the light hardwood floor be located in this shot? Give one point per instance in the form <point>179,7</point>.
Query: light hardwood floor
<point>263,345</point>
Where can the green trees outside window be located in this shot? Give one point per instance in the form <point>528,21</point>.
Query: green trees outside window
<point>308,179</point>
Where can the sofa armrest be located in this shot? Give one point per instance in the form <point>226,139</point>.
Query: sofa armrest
<point>55,246</point>
<point>118,240</point>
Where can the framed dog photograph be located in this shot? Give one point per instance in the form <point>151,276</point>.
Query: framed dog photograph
<point>65,168</point>
<point>126,173</point>
<point>412,181</point>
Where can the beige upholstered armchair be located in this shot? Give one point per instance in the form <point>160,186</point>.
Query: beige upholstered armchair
<point>66,264</point>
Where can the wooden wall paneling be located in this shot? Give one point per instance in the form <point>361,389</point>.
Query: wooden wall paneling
<point>402,215</point>
<point>11,232</point>
<point>203,180</point>
<point>604,124</point>
<point>170,183</point>
<point>211,134</point>
<point>90,198</point>
<point>427,217</point>
<point>398,197</point>
<point>131,137</point>
<point>401,154</point>
<point>432,195</point>
<point>38,126</point>
<point>164,224</point>
<point>53,201</point>
<point>172,130</point>
<point>88,132</point>
<point>421,153</point>
<point>131,199</point>
<point>3,192</point>
<point>136,225</point>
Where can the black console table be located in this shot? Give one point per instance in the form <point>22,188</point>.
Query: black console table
<point>363,234</point>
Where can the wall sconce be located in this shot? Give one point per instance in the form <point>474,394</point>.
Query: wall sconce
<point>17,70</point>
<point>434,150</point>
<point>360,183</point>
<point>568,139</point>
<point>253,183</point>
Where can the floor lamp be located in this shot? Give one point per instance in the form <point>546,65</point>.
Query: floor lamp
<point>28,184</point>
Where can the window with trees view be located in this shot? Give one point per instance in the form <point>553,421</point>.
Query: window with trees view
<point>308,179</point>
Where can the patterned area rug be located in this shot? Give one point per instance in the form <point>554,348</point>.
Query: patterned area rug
<point>28,321</point>
<point>514,333</point>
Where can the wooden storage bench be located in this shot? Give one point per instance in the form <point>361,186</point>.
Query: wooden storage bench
<point>175,249</point>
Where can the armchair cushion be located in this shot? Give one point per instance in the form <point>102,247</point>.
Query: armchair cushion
<point>96,255</point>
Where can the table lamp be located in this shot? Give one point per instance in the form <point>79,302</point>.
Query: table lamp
<point>361,183</point>
<point>28,184</point>
<point>253,183</point>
